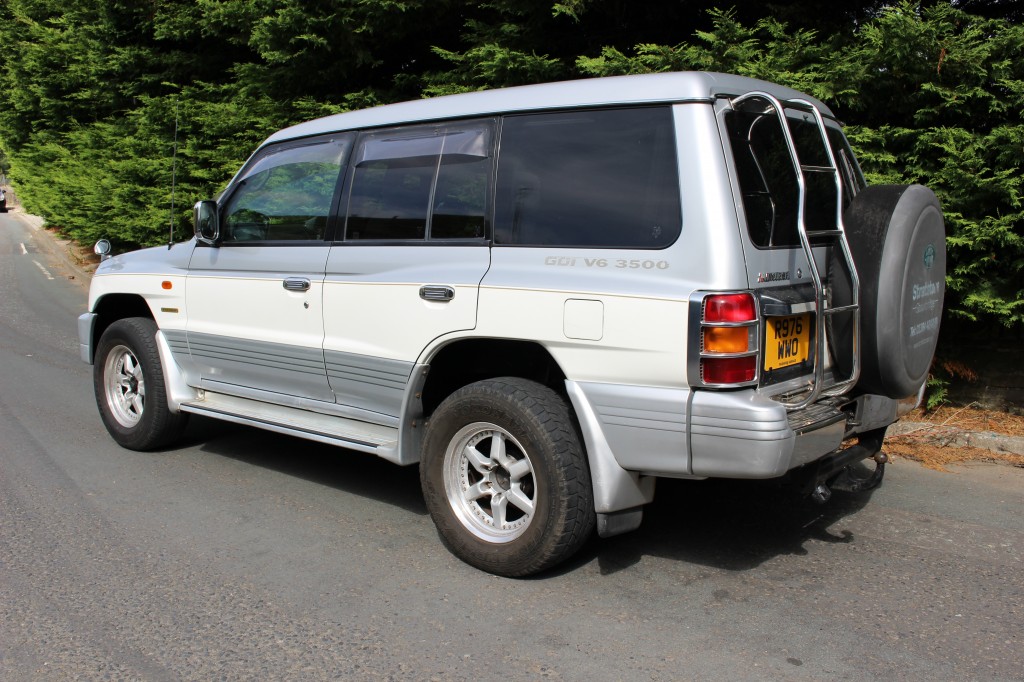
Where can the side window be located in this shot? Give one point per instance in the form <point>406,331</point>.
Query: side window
<point>601,178</point>
<point>853,177</point>
<point>422,182</point>
<point>286,194</point>
<point>768,179</point>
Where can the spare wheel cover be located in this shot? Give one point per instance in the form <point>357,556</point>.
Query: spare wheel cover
<point>898,241</point>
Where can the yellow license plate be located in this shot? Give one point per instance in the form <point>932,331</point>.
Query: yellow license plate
<point>787,341</point>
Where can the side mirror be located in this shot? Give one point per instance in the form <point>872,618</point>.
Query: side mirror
<point>102,249</point>
<point>206,221</point>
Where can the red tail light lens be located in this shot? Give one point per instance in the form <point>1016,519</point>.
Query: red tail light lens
<point>730,308</point>
<point>728,370</point>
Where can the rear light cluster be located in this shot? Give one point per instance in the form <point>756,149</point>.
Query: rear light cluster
<point>728,340</point>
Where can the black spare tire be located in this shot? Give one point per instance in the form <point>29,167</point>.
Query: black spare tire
<point>898,241</point>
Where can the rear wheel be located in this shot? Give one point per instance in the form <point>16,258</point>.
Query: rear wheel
<point>129,385</point>
<point>505,478</point>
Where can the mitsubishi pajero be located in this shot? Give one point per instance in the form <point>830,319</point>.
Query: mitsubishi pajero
<point>547,297</point>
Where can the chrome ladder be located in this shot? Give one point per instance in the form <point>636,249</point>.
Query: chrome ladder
<point>822,305</point>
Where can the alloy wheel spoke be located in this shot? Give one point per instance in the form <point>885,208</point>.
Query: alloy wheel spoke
<point>499,508</point>
<point>520,501</point>
<point>498,454</point>
<point>477,460</point>
<point>475,492</point>
<point>518,469</point>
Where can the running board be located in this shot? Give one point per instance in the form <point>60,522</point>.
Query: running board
<point>333,430</point>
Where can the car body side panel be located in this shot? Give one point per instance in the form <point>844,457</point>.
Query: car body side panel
<point>246,329</point>
<point>377,321</point>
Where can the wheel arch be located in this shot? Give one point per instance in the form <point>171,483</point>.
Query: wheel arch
<point>465,361</point>
<point>113,307</point>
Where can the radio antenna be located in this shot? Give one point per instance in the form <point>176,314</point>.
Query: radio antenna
<point>174,172</point>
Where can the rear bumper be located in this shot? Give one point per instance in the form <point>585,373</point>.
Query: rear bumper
<point>746,435</point>
<point>704,434</point>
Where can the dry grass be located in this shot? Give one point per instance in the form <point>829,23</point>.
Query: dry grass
<point>971,418</point>
<point>932,445</point>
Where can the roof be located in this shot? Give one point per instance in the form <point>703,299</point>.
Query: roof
<point>688,86</point>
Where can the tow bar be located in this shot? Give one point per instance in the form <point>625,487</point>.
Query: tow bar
<point>833,471</point>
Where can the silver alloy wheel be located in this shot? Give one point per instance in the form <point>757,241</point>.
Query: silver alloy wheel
<point>489,481</point>
<point>125,386</point>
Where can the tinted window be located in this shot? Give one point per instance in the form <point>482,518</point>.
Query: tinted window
<point>588,178</point>
<point>768,179</point>
<point>421,182</point>
<point>286,194</point>
<point>853,177</point>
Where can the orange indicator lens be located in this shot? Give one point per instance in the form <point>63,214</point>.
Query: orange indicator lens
<point>726,339</point>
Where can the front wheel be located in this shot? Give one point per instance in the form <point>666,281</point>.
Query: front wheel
<point>129,386</point>
<point>505,479</point>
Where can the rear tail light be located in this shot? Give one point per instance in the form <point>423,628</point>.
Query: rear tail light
<point>730,308</point>
<point>729,334</point>
<point>722,371</point>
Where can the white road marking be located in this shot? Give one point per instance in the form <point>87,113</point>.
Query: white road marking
<point>45,271</point>
<point>24,251</point>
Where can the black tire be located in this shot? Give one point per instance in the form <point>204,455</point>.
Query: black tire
<point>129,384</point>
<point>898,241</point>
<point>546,467</point>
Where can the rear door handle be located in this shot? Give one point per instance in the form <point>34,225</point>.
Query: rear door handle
<point>437,292</point>
<point>296,284</point>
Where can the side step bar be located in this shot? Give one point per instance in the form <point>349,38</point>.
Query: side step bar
<point>333,430</point>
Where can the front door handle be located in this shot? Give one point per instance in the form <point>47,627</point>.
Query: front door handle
<point>296,284</point>
<point>437,292</point>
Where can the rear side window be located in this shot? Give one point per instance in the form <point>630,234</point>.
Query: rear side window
<point>421,182</point>
<point>603,178</point>
<point>768,179</point>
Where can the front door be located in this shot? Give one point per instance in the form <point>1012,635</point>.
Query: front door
<point>254,301</point>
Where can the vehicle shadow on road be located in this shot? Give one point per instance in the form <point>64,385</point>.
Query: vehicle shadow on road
<point>732,525</point>
<point>727,524</point>
<point>353,472</point>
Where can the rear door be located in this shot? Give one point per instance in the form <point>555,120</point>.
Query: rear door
<point>255,316</point>
<point>411,252</point>
<point>768,192</point>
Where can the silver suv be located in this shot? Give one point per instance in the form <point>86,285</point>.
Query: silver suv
<point>547,297</point>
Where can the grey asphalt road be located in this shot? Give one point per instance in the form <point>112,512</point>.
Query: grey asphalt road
<point>243,555</point>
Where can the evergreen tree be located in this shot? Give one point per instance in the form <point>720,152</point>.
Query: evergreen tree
<point>95,90</point>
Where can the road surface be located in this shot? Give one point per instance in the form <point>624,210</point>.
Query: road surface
<point>245,555</point>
